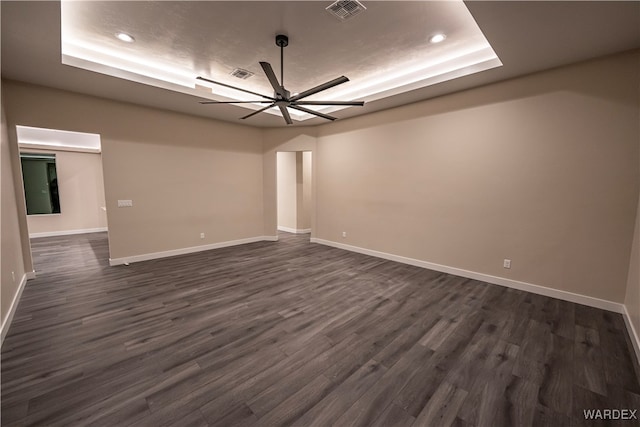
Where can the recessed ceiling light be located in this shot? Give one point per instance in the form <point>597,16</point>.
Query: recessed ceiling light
<point>437,38</point>
<point>125,37</point>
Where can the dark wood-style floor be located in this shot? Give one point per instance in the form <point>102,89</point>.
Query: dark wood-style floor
<point>296,333</point>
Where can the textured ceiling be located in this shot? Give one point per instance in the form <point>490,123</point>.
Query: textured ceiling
<point>213,38</point>
<point>384,50</point>
<point>526,36</point>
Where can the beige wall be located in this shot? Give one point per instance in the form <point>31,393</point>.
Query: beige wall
<point>287,190</point>
<point>541,169</point>
<point>300,220</point>
<point>81,190</point>
<point>185,175</point>
<point>305,217</point>
<point>632,298</point>
<point>12,268</point>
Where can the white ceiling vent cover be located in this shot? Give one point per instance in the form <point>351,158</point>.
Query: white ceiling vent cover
<point>241,73</point>
<point>345,9</point>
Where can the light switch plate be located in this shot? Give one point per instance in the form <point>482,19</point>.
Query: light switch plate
<point>125,203</point>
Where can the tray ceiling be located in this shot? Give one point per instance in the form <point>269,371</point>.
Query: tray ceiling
<point>176,41</point>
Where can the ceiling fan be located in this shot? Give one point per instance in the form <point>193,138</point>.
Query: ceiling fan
<point>282,98</point>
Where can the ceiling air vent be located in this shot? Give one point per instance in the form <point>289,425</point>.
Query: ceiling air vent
<point>241,73</point>
<point>345,9</point>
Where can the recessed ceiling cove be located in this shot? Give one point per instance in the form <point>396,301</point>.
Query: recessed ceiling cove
<point>384,50</point>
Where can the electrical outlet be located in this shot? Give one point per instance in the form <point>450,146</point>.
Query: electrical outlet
<point>344,234</point>
<point>202,235</point>
<point>125,203</point>
<point>506,263</point>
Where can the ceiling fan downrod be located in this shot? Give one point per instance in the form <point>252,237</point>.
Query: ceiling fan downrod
<point>282,41</point>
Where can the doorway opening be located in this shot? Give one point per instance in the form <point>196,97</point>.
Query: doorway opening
<point>64,187</point>
<point>294,202</point>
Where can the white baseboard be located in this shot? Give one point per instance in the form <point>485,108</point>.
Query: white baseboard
<point>633,333</point>
<point>190,250</point>
<point>294,230</point>
<point>515,284</point>
<point>66,232</point>
<point>6,322</point>
<point>30,275</point>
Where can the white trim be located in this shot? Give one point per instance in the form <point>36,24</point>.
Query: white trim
<point>294,230</point>
<point>523,286</point>
<point>30,275</point>
<point>67,232</point>
<point>12,308</point>
<point>35,146</point>
<point>190,250</point>
<point>633,333</point>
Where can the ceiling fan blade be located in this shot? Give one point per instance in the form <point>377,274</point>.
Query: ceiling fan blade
<point>236,102</point>
<point>272,78</point>
<point>320,88</point>
<point>258,111</point>
<point>285,114</point>
<point>315,113</point>
<point>236,88</point>
<point>350,103</point>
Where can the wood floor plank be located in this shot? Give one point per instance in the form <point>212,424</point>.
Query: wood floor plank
<point>530,362</point>
<point>430,374</point>
<point>288,385</point>
<point>486,403</point>
<point>371,405</point>
<point>294,333</point>
<point>239,416</point>
<point>588,364</point>
<point>471,362</point>
<point>196,391</point>
<point>556,387</point>
<point>394,416</point>
<point>618,360</point>
<point>298,403</point>
<point>107,401</point>
<point>330,408</point>
<point>545,417</point>
<point>238,391</point>
<point>406,339</point>
<point>442,407</point>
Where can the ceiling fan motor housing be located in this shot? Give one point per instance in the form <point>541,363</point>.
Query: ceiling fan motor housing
<point>282,40</point>
<point>285,96</point>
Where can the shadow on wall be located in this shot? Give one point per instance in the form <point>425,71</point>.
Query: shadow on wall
<point>564,79</point>
<point>290,139</point>
<point>121,122</point>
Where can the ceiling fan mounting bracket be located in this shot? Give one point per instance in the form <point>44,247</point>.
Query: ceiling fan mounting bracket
<point>282,40</point>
